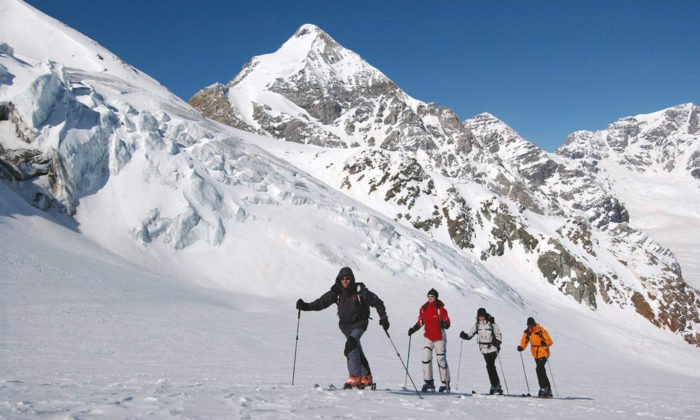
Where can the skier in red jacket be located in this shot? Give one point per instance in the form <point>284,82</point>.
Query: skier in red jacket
<point>434,317</point>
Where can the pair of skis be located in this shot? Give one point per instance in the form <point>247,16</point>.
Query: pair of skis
<point>405,391</point>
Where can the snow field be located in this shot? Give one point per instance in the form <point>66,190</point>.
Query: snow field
<point>106,338</point>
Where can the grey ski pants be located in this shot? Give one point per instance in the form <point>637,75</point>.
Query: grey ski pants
<point>440,347</point>
<point>357,362</point>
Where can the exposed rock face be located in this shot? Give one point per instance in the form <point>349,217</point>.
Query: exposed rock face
<point>213,103</point>
<point>460,221</point>
<point>560,264</point>
<point>564,186</point>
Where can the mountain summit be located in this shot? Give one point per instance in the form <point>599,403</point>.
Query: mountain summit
<point>474,185</point>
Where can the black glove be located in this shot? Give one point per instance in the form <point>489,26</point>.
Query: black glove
<point>302,306</point>
<point>413,329</point>
<point>520,348</point>
<point>497,344</point>
<point>384,323</point>
<point>463,336</point>
<point>543,344</point>
<point>444,324</point>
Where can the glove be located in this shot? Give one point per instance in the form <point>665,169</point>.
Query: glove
<point>543,344</point>
<point>384,323</point>
<point>413,329</point>
<point>302,306</point>
<point>520,348</point>
<point>444,324</point>
<point>463,336</point>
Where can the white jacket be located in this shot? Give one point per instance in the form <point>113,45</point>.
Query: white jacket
<point>486,332</point>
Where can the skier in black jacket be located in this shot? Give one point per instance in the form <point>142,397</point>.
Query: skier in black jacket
<point>353,300</point>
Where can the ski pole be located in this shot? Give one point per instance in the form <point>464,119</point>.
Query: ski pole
<point>408,363</point>
<point>459,366</point>
<point>498,356</point>
<point>294,369</point>
<point>553,381</point>
<point>404,365</point>
<point>525,373</point>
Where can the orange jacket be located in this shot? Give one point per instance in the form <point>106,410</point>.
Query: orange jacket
<point>540,340</point>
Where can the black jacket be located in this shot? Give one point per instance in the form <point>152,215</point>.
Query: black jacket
<point>353,302</point>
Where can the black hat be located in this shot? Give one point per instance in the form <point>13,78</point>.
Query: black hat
<point>481,312</point>
<point>531,321</point>
<point>433,292</point>
<point>345,272</point>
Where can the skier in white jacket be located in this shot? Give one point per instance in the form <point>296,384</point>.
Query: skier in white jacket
<point>490,339</point>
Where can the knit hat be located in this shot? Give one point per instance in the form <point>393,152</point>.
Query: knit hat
<point>433,292</point>
<point>481,312</point>
<point>531,321</point>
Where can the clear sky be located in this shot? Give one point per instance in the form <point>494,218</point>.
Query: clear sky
<point>546,68</point>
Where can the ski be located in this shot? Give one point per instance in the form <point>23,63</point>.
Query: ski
<point>332,387</point>
<point>530,396</point>
<point>406,391</point>
<point>497,394</point>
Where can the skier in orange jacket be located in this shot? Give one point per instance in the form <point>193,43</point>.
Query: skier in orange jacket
<point>540,342</point>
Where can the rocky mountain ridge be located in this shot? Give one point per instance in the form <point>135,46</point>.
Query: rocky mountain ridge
<point>419,164</point>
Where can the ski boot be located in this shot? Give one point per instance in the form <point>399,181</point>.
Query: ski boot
<point>545,393</point>
<point>496,389</point>
<point>445,387</point>
<point>428,386</point>
<point>366,382</point>
<point>351,383</point>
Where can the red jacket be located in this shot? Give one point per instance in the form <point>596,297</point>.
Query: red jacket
<point>428,316</point>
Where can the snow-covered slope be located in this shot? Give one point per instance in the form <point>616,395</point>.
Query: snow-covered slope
<point>155,271</point>
<point>477,187</point>
<point>85,333</point>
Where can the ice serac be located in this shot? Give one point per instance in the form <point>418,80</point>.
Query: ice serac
<point>474,185</point>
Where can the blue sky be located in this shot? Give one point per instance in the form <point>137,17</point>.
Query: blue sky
<point>546,68</point>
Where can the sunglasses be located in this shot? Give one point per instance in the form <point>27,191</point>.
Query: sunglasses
<point>345,278</point>
<point>431,296</point>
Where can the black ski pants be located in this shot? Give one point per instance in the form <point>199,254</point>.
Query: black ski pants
<point>542,373</point>
<point>491,367</point>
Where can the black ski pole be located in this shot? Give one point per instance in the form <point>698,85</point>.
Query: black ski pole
<point>404,365</point>
<point>459,366</point>
<point>408,363</point>
<point>505,381</point>
<point>525,373</point>
<point>294,369</point>
<point>553,381</point>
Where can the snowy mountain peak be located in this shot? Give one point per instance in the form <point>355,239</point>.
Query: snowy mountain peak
<point>49,39</point>
<point>666,141</point>
<point>310,30</point>
<point>486,116</point>
<point>494,133</point>
<point>310,54</point>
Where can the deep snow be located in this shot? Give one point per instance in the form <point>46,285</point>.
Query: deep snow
<point>86,334</point>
